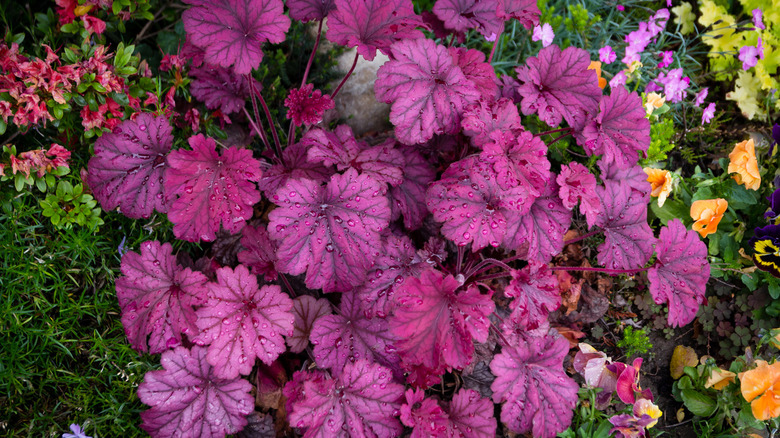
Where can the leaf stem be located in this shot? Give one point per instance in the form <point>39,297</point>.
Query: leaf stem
<point>493,276</point>
<point>493,50</point>
<point>596,269</point>
<point>287,285</point>
<point>583,237</point>
<point>257,128</point>
<point>277,144</point>
<point>313,52</point>
<point>553,131</point>
<point>349,73</point>
<point>558,138</point>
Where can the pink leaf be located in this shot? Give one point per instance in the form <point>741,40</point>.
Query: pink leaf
<point>297,166</point>
<point>408,198</point>
<point>525,11</point>
<point>373,25</point>
<point>473,206</point>
<point>306,310</point>
<point>242,322</point>
<point>628,240</point>
<point>578,184</point>
<point>426,418</point>
<point>535,292</point>
<point>435,325</point>
<point>306,105</point>
<point>231,32</point>
<point>680,274</point>
<point>157,296</point>
<point>462,15</point>
<point>472,63</point>
<point>426,88</point>
<point>619,131</point>
<point>519,161</point>
<point>331,233</point>
<point>361,402</point>
<point>635,177</point>
<point>259,253</point>
<point>220,88</point>
<point>307,10</point>
<point>189,401</point>
<point>471,416</point>
<point>212,189</point>
<point>557,85</point>
<point>127,168</point>
<point>536,393</point>
<point>483,118</point>
<point>540,232</point>
<point>349,336</point>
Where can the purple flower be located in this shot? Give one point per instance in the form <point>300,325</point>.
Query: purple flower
<point>666,59</point>
<point>674,84</point>
<point>708,113</point>
<point>757,18</point>
<point>607,55</point>
<point>543,33</point>
<point>700,96</point>
<point>121,248</point>
<point>637,42</point>
<point>749,57</point>
<point>77,432</point>
<point>618,80</point>
<point>621,8</point>
<point>657,22</point>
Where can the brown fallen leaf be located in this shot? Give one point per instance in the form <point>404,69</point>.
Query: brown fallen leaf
<point>682,357</point>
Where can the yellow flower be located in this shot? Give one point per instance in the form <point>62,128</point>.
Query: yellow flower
<point>719,379</point>
<point>645,406</point>
<point>660,182</point>
<point>743,162</point>
<point>761,387</point>
<point>684,17</point>
<point>596,65</point>
<point>81,10</point>
<point>707,213</point>
<point>654,101</point>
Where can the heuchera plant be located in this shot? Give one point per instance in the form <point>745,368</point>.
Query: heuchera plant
<point>395,242</point>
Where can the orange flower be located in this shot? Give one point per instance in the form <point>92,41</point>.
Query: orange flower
<point>654,101</point>
<point>761,387</point>
<point>744,164</point>
<point>661,183</point>
<point>596,65</point>
<point>719,379</point>
<point>707,213</point>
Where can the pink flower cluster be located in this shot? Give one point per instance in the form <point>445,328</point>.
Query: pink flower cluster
<point>38,161</point>
<point>640,38</point>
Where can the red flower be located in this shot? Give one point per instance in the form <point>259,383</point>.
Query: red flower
<point>92,24</point>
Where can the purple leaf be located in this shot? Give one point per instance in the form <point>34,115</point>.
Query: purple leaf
<point>471,416</point>
<point>462,15</point>
<point>473,206</point>
<point>242,322</point>
<point>157,296</point>
<point>127,168</point>
<point>231,32</point>
<point>557,85</point>
<point>435,325</point>
<point>408,198</point>
<point>211,189</point>
<point>361,402</point>
<point>472,63</point>
<point>426,88</point>
<point>189,401</point>
<point>536,393</point>
<point>483,118</point>
<point>307,10</point>
<point>259,253</point>
<point>297,166</point>
<point>373,25</point>
<point>349,336</point>
<point>525,11</point>
<point>540,232</point>
<point>578,184</point>
<point>306,310</point>
<point>679,276</point>
<point>220,88</point>
<point>635,177</point>
<point>535,292</point>
<point>397,261</point>
<point>619,131</point>
<point>426,418</point>
<point>331,233</point>
<point>305,106</point>
<point>519,161</point>
<point>628,240</point>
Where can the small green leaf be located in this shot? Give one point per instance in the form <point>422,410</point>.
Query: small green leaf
<point>698,403</point>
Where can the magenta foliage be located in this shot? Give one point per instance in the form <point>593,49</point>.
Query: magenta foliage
<point>535,292</point>
<point>297,166</point>
<point>578,184</point>
<point>157,298</point>
<point>362,401</point>
<point>557,85</point>
<point>680,274</point>
<point>486,117</point>
<point>519,161</point>
<point>469,416</point>
<point>307,10</point>
<point>525,11</point>
<point>462,15</point>
<point>426,88</point>
<point>628,240</point>
<point>211,189</point>
<point>307,105</point>
<point>259,253</point>
<point>231,32</point>
<point>220,88</point>
<point>243,322</point>
<point>332,232</point>
<point>306,310</point>
<point>408,198</point>
<point>472,63</point>
<point>436,324</point>
<point>127,168</point>
<point>189,401</point>
<point>373,25</point>
<point>536,393</point>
